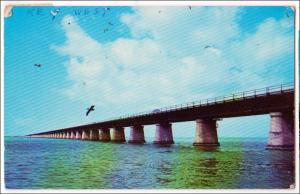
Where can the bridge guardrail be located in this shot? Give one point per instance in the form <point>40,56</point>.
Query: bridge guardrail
<point>220,99</point>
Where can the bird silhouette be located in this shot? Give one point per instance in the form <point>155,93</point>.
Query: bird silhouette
<point>90,109</point>
<point>38,65</point>
<point>54,13</point>
<point>105,30</point>
<point>105,9</point>
<point>190,7</point>
<point>110,23</point>
<point>207,46</point>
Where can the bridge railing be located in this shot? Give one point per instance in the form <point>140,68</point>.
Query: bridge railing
<point>216,100</point>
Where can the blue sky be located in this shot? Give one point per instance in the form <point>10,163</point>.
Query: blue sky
<point>147,58</point>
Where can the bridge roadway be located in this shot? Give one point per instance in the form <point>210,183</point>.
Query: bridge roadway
<point>278,101</point>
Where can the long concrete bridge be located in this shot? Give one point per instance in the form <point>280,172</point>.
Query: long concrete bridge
<point>277,101</point>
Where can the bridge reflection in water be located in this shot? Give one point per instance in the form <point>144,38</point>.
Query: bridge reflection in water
<point>278,101</point>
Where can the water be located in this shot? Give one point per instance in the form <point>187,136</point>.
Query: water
<point>32,163</point>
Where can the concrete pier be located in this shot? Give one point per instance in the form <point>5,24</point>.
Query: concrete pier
<point>64,135</point>
<point>104,134</point>
<point>68,135</point>
<point>94,134</point>
<point>137,135</point>
<point>61,135</point>
<point>163,134</point>
<point>78,134</point>
<point>206,133</point>
<point>73,135</point>
<point>281,134</point>
<point>85,135</point>
<point>118,135</point>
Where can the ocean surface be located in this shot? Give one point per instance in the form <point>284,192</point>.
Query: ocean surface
<point>36,163</point>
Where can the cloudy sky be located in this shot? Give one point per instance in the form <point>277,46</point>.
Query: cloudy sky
<point>125,60</point>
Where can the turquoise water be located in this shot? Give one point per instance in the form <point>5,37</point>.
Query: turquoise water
<point>32,163</point>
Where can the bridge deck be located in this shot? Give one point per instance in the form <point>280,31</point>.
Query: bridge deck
<point>254,102</point>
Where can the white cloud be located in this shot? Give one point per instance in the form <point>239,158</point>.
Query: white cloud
<point>165,61</point>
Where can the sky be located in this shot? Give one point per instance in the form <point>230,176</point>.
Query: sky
<point>126,60</point>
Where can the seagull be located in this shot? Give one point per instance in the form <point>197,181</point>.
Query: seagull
<point>207,46</point>
<point>54,13</point>
<point>38,65</point>
<point>105,9</point>
<point>105,30</point>
<point>90,109</point>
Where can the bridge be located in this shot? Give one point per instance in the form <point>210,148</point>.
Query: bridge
<point>277,101</point>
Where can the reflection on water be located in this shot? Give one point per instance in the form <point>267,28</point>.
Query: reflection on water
<point>53,163</point>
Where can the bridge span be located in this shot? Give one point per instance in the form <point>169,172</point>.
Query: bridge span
<point>277,101</point>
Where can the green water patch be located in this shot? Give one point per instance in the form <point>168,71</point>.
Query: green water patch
<point>203,168</point>
<point>78,165</point>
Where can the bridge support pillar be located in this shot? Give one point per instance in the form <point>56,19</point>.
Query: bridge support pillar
<point>104,134</point>
<point>73,135</point>
<point>68,135</point>
<point>64,135</point>
<point>281,134</point>
<point>85,135</point>
<point>78,134</point>
<point>206,133</point>
<point>94,134</point>
<point>137,135</point>
<point>61,135</point>
<point>118,135</point>
<point>163,134</point>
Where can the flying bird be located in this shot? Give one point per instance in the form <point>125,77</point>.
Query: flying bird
<point>105,30</point>
<point>207,46</point>
<point>105,9</point>
<point>90,109</point>
<point>54,13</point>
<point>110,23</point>
<point>38,65</point>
